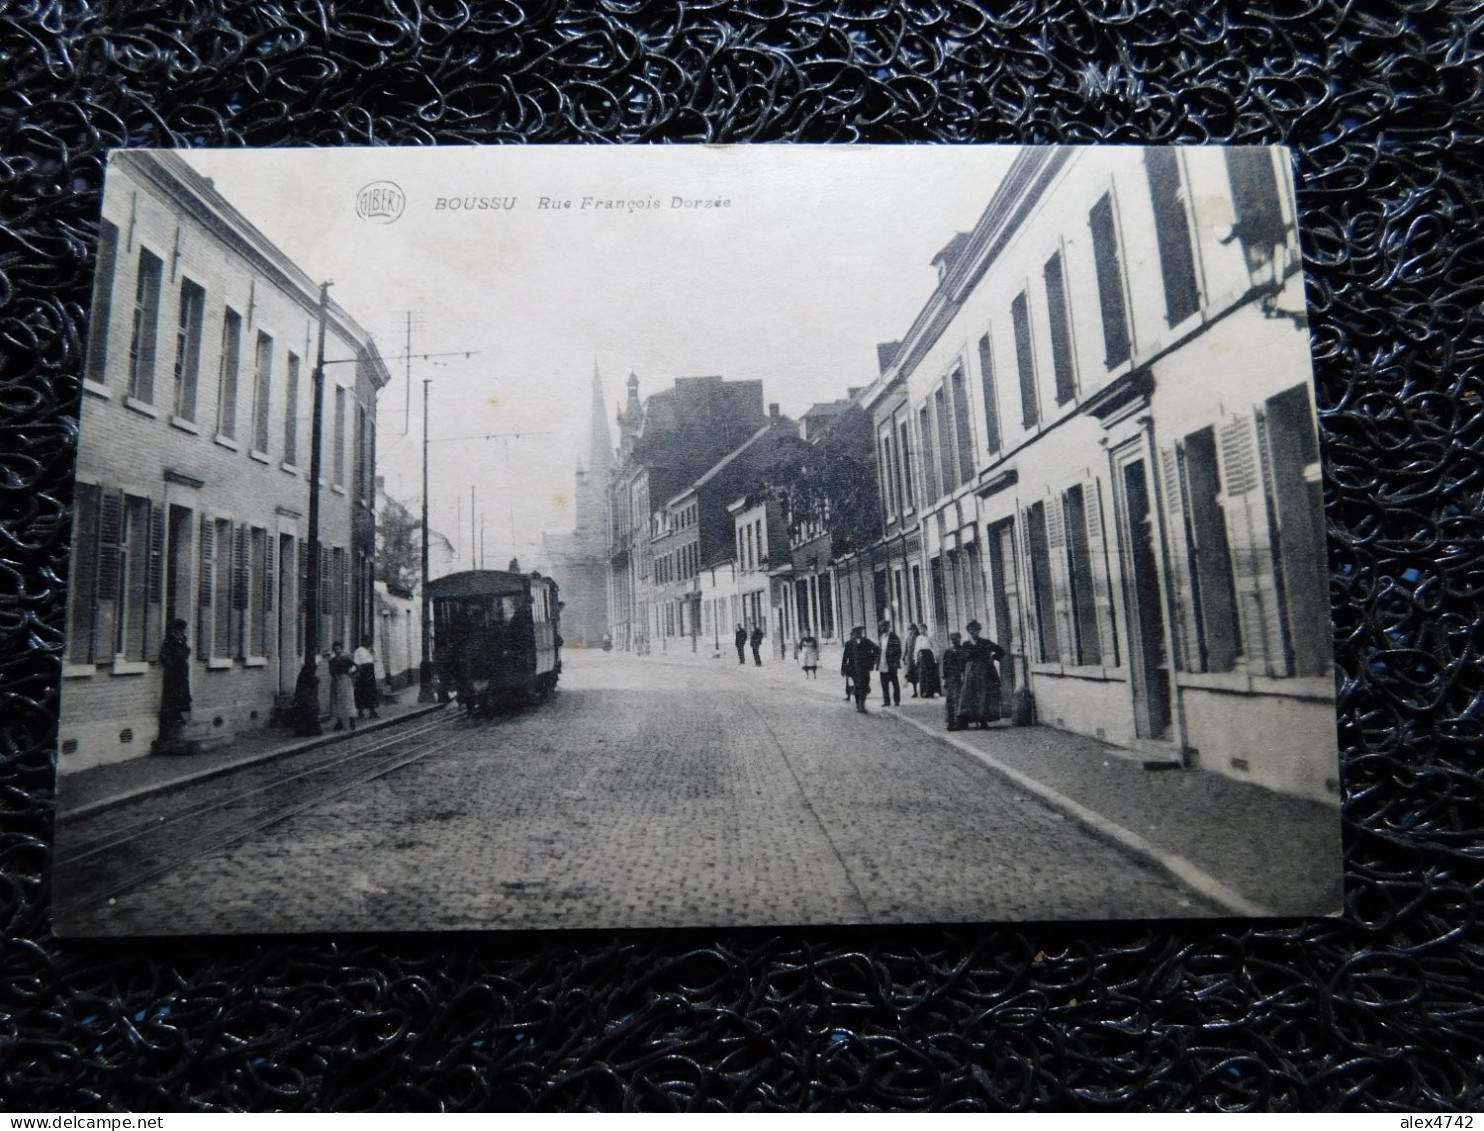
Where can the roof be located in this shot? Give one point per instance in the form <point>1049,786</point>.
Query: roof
<point>717,468</point>
<point>478,583</point>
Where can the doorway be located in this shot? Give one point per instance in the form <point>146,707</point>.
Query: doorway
<point>288,605</point>
<point>1149,663</point>
<point>1005,601</point>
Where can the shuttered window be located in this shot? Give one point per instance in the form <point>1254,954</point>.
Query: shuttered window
<point>1298,499</point>
<point>224,585</point>
<point>1080,567</point>
<point>262,392</point>
<point>1043,604</point>
<point>929,456</point>
<point>291,410</point>
<point>991,401</point>
<point>144,337</point>
<point>1213,589</point>
<point>946,462</point>
<point>188,349</point>
<point>904,450</point>
<point>1062,362</point>
<point>102,314</point>
<point>1172,232</point>
<point>337,465</point>
<point>1020,319</point>
<point>231,360</point>
<point>1255,201</point>
<point>963,432</point>
<point>1109,265</point>
<point>82,613</point>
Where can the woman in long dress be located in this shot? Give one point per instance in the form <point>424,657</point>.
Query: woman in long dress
<point>979,700</point>
<point>809,655</point>
<point>926,663</point>
<point>342,687</point>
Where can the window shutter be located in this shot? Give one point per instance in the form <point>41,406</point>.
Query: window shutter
<point>1182,604</point>
<point>326,608</point>
<point>1061,588</point>
<point>1097,564</point>
<point>268,572</point>
<point>241,579</point>
<point>110,530</point>
<point>207,571</point>
<point>1031,608</point>
<point>83,613</point>
<point>155,580</point>
<point>1250,536</point>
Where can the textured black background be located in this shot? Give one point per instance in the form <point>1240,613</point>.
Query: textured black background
<point>1383,1009</point>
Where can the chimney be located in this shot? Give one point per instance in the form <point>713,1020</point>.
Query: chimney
<point>773,410</point>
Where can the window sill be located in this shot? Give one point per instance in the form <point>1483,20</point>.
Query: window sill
<point>227,442</point>
<point>255,661</point>
<point>338,489</point>
<point>129,667</point>
<point>143,408</point>
<point>97,389</point>
<point>289,467</point>
<point>1240,683</point>
<point>78,671</point>
<point>1091,672</point>
<point>261,457</point>
<point>218,663</point>
<point>184,425</point>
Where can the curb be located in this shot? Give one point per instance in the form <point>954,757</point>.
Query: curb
<point>102,804</point>
<point>1196,879</point>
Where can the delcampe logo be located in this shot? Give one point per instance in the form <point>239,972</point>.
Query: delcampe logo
<point>380,202</point>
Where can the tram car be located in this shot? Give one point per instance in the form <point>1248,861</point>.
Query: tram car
<point>496,643</point>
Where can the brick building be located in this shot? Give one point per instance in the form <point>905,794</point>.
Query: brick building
<point>665,444</point>
<point>192,485</point>
<point>1102,424</point>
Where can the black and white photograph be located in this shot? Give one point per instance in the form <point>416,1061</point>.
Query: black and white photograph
<point>679,536</point>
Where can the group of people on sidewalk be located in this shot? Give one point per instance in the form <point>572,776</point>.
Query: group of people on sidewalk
<point>353,681</point>
<point>965,675</point>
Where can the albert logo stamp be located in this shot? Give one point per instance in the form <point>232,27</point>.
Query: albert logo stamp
<point>381,202</point>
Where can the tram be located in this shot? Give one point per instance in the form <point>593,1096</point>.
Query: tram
<point>496,639</point>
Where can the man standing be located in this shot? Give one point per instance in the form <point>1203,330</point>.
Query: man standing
<point>757,643</point>
<point>175,688</point>
<point>890,661</point>
<point>953,678</point>
<point>741,639</point>
<point>857,664</point>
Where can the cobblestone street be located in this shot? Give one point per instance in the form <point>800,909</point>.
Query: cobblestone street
<point>659,793</point>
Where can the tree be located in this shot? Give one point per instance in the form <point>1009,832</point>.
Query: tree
<point>398,546</point>
<point>829,483</point>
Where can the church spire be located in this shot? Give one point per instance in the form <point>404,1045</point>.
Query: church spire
<point>600,448</point>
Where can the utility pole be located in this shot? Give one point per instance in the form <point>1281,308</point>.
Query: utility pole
<point>425,668</point>
<point>306,688</point>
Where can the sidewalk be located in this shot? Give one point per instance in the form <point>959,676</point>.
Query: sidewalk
<point>98,788</point>
<point>1254,851</point>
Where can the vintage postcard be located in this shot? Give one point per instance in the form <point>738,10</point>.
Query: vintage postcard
<point>686,536</point>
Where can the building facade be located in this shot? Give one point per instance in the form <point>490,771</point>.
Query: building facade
<point>192,487</point>
<point>665,444</point>
<point>1104,419</point>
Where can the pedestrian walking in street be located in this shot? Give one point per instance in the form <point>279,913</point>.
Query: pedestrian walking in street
<point>367,696</point>
<point>926,666</point>
<point>979,700</point>
<point>175,687</point>
<point>857,663</point>
<point>953,678</point>
<point>741,639</point>
<point>757,643</point>
<point>888,664</point>
<point>809,655</point>
<point>342,687</point>
<point>909,658</point>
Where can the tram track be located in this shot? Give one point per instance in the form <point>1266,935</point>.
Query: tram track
<point>129,856</point>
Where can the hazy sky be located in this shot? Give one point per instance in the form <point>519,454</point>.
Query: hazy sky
<point>823,252</point>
